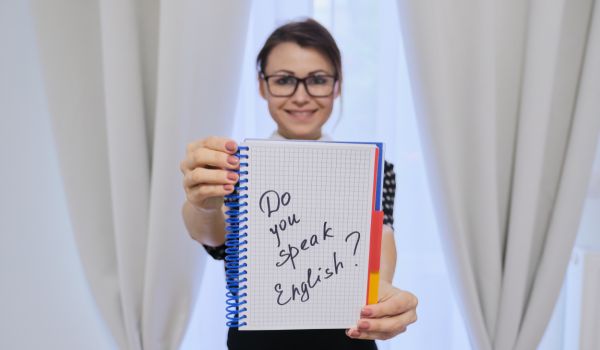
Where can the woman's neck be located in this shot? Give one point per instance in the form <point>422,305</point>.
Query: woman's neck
<point>277,136</point>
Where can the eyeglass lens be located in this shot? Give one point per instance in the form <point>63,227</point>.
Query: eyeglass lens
<point>285,85</point>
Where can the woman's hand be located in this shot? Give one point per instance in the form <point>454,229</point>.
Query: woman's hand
<point>206,175</point>
<point>395,310</point>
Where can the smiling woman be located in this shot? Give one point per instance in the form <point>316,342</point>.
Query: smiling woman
<point>299,114</point>
<point>297,54</point>
<point>299,75</point>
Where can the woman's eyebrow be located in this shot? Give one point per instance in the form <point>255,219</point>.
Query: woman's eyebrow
<point>318,71</point>
<point>284,71</point>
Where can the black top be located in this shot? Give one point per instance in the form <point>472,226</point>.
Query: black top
<point>310,338</point>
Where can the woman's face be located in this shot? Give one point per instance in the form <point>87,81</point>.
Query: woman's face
<point>299,116</point>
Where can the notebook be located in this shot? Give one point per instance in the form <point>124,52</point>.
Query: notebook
<point>303,234</point>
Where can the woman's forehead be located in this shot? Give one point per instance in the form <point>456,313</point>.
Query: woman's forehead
<point>298,60</point>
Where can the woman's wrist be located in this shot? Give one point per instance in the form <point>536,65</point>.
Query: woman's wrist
<point>208,206</point>
<point>205,224</point>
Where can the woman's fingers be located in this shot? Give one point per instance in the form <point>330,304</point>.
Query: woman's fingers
<point>203,184</point>
<point>389,317</point>
<point>204,157</point>
<point>209,176</point>
<point>222,144</point>
<point>212,151</point>
<point>199,195</point>
<point>206,170</point>
<point>383,328</point>
<point>397,303</point>
<point>216,143</point>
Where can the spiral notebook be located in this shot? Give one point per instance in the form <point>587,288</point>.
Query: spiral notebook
<point>303,234</point>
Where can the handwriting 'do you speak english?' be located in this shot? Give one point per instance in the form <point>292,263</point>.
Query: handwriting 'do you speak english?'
<point>296,249</point>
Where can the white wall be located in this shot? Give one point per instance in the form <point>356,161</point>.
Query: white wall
<point>44,300</point>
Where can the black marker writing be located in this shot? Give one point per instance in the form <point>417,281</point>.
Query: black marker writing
<point>357,240</point>
<point>283,224</point>
<point>271,201</point>
<point>301,292</point>
<point>291,252</point>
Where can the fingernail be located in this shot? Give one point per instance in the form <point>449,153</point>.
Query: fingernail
<point>233,160</point>
<point>228,188</point>
<point>366,312</point>
<point>232,176</point>
<point>230,146</point>
<point>351,332</point>
<point>363,325</point>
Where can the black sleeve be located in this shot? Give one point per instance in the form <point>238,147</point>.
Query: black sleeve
<point>389,193</point>
<point>218,253</point>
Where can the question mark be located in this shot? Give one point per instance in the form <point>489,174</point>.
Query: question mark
<point>357,240</point>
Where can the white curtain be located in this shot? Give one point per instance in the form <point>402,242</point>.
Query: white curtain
<point>128,84</point>
<point>506,95</point>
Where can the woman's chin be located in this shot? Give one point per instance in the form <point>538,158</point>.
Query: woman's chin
<point>301,134</point>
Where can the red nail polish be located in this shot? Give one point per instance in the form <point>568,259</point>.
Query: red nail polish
<point>228,188</point>
<point>233,160</point>
<point>230,146</point>
<point>232,176</point>
<point>366,312</point>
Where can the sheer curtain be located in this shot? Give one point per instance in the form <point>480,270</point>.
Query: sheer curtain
<point>123,105</point>
<point>507,102</point>
<point>43,293</point>
<point>376,104</point>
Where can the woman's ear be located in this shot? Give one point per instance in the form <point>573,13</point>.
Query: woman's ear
<point>262,88</point>
<point>337,89</point>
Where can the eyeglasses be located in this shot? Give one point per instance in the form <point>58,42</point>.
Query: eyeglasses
<point>280,85</point>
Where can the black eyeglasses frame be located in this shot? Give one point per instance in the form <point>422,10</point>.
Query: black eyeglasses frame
<point>266,78</point>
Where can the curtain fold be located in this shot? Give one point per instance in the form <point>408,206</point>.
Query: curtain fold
<point>123,105</point>
<point>128,155</point>
<point>502,96</point>
<point>69,41</point>
<point>201,48</point>
<point>574,175</point>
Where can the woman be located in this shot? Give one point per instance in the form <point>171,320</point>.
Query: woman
<point>300,76</point>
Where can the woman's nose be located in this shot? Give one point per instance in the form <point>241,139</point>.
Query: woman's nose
<point>301,96</point>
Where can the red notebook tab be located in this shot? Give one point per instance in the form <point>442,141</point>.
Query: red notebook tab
<point>375,249</point>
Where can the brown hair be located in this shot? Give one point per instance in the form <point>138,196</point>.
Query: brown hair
<point>306,33</point>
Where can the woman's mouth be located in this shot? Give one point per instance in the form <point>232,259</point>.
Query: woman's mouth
<point>301,113</point>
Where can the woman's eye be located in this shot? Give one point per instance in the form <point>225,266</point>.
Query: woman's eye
<point>317,80</point>
<point>286,81</point>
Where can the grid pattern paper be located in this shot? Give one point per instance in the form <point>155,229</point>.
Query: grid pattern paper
<point>308,238</point>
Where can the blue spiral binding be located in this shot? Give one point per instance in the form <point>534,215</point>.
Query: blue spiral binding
<point>235,241</point>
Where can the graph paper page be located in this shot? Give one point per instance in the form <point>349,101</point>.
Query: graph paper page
<point>308,238</point>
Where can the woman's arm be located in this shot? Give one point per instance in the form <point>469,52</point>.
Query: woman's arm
<point>207,226</point>
<point>388,254</point>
